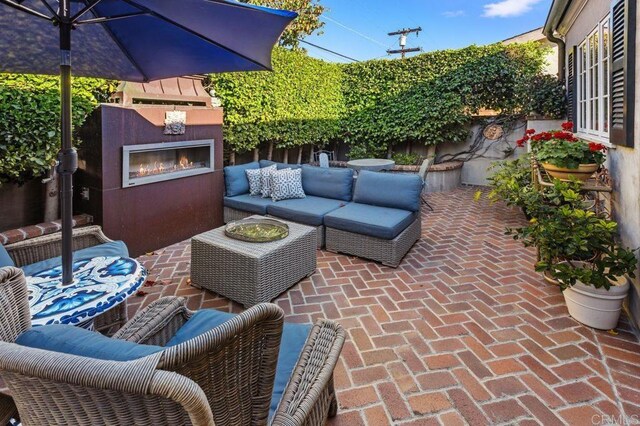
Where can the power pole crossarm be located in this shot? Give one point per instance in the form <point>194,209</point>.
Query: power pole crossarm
<point>403,41</point>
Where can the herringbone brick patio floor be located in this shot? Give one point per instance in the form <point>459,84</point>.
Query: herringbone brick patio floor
<point>463,332</point>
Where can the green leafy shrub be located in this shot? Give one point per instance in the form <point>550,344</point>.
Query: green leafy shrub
<point>547,96</point>
<point>406,159</point>
<point>510,181</point>
<point>30,121</point>
<point>574,243</point>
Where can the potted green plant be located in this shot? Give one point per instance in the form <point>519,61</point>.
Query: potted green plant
<point>563,155</point>
<point>578,248</point>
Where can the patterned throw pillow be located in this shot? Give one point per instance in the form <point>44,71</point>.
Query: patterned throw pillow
<point>287,184</point>
<point>265,174</point>
<point>254,176</point>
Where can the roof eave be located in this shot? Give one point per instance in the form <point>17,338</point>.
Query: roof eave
<point>556,13</point>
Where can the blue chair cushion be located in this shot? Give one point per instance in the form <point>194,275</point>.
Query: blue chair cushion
<point>235,178</point>
<point>248,203</point>
<point>308,211</point>
<point>332,182</point>
<point>112,248</point>
<point>5,259</point>
<point>375,221</point>
<point>293,339</point>
<point>73,340</point>
<point>279,166</point>
<point>395,190</point>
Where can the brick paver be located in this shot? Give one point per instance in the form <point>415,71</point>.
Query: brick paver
<point>463,332</point>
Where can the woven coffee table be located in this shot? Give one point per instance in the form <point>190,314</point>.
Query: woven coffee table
<point>251,273</point>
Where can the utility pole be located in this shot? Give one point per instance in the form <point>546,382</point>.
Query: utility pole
<point>403,41</point>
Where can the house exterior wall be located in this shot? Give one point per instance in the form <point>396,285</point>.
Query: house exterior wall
<point>623,163</point>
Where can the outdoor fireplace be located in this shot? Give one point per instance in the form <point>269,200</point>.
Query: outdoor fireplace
<point>150,163</point>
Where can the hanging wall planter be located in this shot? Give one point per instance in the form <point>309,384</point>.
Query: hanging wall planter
<point>582,173</point>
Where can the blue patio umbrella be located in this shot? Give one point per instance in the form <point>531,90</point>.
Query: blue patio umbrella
<point>132,40</point>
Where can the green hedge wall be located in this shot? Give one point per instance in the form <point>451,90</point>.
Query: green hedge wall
<point>429,98</point>
<point>30,121</point>
<point>299,103</point>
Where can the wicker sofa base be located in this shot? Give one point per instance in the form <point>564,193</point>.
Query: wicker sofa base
<point>231,214</point>
<point>387,252</point>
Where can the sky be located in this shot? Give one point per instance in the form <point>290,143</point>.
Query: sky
<point>358,28</point>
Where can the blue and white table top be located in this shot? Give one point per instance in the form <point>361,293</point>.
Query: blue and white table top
<point>99,284</point>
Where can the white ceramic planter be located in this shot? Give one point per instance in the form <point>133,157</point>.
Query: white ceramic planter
<point>596,307</point>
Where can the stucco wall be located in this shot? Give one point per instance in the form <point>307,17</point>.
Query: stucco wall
<point>623,163</point>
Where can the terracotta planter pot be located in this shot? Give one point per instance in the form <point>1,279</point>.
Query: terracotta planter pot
<point>596,307</point>
<point>582,173</point>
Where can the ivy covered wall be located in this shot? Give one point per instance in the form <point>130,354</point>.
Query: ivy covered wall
<point>373,105</point>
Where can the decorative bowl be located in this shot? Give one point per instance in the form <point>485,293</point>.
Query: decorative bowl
<point>257,230</point>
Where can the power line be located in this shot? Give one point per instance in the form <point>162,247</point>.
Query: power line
<point>355,31</point>
<point>327,50</point>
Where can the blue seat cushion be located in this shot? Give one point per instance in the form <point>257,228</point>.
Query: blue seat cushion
<point>73,340</point>
<point>235,178</point>
<point>395,190</point>
<point>308,211</point>
<point>332,182</point>
<point>5,259</point>
<point>375,221</point>
<point>293,339</point>
<point>248,203</point>
<point>112,248</point>
<point>279,166</point>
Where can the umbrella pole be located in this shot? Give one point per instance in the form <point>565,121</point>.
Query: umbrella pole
<point>67,158</point>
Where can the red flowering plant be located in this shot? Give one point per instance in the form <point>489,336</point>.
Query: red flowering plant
<point>562,148</point>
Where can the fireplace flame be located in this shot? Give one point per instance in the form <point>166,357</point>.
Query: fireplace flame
<point>160,168</point>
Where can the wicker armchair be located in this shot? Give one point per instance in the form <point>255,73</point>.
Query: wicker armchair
<point>15,318</point>
<point>48,246</point>
<point>235,363</point>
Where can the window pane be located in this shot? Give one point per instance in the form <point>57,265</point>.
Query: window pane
<point>596,116</point>
<point>605,108</point>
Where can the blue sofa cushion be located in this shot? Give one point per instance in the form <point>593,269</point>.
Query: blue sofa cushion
<point>293,339</point>
<point>398,191</point>
<point>280,166</point>
<point>5,259</point>
<point>333,182</point>
<point>375,221</point>
<point>112,248</point>
<point>235,178</point>
<point>248,203</point>
<point>308,211</point>
<point>73,340</point>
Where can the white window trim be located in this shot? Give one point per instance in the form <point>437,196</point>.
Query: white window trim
<point>586,132</point>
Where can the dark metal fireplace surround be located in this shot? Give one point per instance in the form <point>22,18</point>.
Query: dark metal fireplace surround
<point>145,187</point>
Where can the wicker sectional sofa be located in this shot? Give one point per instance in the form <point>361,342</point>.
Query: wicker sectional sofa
<point>376,216</point>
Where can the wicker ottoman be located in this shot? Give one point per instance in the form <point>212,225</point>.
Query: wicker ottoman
<point>251,273</point>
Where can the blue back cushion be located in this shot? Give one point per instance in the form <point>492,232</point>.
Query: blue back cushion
<point>279,166</point>
<point>329,182</point>
<point>73,340</point>
<point>235,179</point>
<point>5,259</point>
<point>293,338</point>
<point>112,248</point>
<point>398,191</point>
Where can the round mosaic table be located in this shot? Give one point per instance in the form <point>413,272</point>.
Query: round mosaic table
<point>99,284</point>
<point>371,164</point>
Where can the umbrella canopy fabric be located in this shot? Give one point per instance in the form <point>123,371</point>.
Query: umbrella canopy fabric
<point>132,40</point>
<point>141,40</point>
